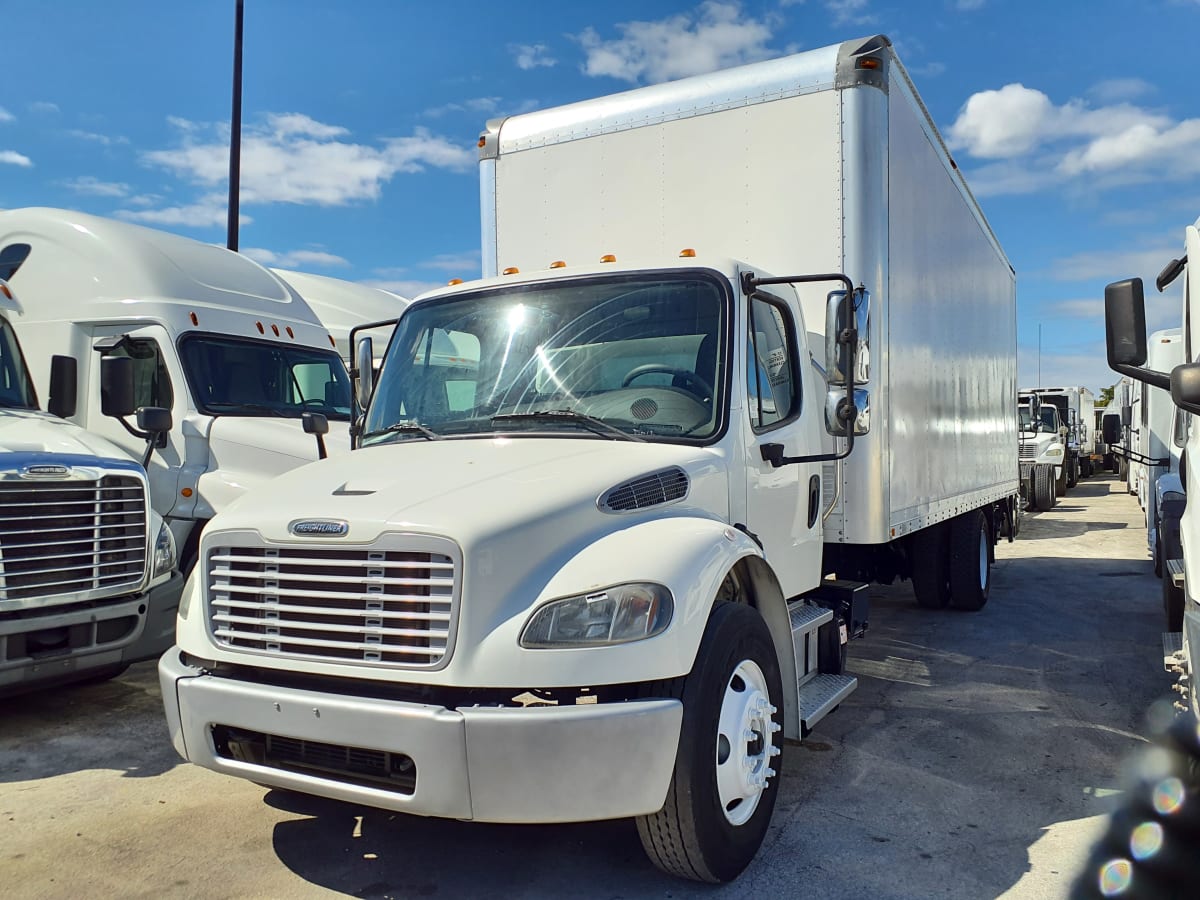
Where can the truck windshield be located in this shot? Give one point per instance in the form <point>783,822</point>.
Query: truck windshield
<point>16,388</point>
<point>638,354</point>
<point>1048,419</point>
<point>236,377</point>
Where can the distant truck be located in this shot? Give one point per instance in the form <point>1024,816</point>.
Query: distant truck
<point>1129,354</point>
<point>88,583</point>
<point>1041,449</point>
<point>576,567</point>
<point>1076,410</point>
<point>232,351</point>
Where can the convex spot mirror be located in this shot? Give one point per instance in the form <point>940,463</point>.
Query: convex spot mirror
<point>862,418</point>
<point>364,363</point>
<point>838,318</point>
<point>1185,387</point>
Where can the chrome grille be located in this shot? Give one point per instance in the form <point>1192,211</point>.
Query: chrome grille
<point>59,538</point>
<point>649,490</point>
<point>1027,451</point>
<point>379,606</point>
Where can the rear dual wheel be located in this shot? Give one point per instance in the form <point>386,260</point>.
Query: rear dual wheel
<point>951,563</point>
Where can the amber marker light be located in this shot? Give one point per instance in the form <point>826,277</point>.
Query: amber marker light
<point>558,264</point>
<point>482,142</point>
<point>608,257</point>
<point>868,62</point>
<point>332,342</point>
<point>291,333</point>
<point>195,318</point>
<point>261,330</point>
<point>454,281</point>
<point>687,253</point>
<point>511,270</point>
<point>275,330</point>
<point>4,290</point>
<point>185,492</point>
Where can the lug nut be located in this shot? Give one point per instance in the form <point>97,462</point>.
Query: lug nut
<point>770,773</point>
<point>775,751</point>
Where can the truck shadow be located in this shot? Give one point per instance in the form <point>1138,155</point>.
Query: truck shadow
<point>116,725</point>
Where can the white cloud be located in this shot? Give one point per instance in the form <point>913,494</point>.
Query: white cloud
<point>295,259</point>
<point>295,159</point>
<point>1111,265</point>
<point>13,158</point>
<point>209,211</point>
<point>849,12</point>
<point>43,106</point>
<point>531,56</point>
<point>105,140</point>
<point>461,264</point>
<point>477,105</point>
<point>6,116</point>
<point>716,35</point>
<point>1116,90</point>
<point>94,187</point>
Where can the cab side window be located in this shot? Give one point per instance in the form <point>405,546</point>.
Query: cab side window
<point>772,378</point>
<point>151,382</point>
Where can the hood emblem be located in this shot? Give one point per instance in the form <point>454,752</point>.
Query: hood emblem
<point>320,527</point>
<point>45,470</point>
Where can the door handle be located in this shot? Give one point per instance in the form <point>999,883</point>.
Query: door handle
<point>814,499</point>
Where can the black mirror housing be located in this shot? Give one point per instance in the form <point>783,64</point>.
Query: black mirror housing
<point>1112,428</point>
<point>1125,323</point>
<point>64,387</point>
<point>314,423</point>
<point>116,386</point>
<point>1126,416</point>
<point>1185,387</point>
<point>154,420</point>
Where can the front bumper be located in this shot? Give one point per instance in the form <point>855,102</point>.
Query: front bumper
<point>46,647</point>
<point>489,764</point>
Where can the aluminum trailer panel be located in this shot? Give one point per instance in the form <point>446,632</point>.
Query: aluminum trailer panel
<point>799,165</point>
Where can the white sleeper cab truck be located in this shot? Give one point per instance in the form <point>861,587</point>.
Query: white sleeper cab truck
<point>576,567</point>
<point>1129,355</point>
<point>1040,450</point>
<point>235,354</point>
<point>344,305</point>
<point>88,568</point>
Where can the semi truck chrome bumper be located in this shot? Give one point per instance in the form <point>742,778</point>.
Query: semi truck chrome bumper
<point>490,764</point>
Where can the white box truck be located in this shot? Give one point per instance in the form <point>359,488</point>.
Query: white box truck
<point>232,351</point>
<point>86,567</point>
<point>1131,356</point>
<point>745,331</point>
<point>1040,449</point>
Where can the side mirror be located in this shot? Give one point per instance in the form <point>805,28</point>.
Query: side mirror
<point>1185,387</point>
<point>317,424</point>
<point>64,386</point>
<point>836,422</point>
<point>364,364</point>
<point>840,316</point>
<point>1112,428</point>
<point>155,421</point>
<point>116,386</point>
<point>1125,323</point>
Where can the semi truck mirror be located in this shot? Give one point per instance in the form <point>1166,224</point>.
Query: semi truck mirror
<point>838,355</point>
<point>862,324</point>
<point>155,421</point>
<point>1111,425</point>
<point>1125,323</point>
<point>116,386</point>
<point>836,422</point>
<point>1185,387</point>
<point>64,385</point>
<point>316,424</point>
<point>1126,416</point>
<point>364,359</point>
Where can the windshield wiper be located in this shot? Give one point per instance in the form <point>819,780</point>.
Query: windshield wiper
<point>233,405</point>
<point>407,426</point>
<point>591,423</point>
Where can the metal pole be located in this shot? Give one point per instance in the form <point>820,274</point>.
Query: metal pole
<point>1039,354</point>
<point>235,135</point>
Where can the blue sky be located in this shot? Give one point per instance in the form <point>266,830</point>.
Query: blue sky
<point>1076,123</point>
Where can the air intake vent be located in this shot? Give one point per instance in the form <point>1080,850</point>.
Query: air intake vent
<point>649,490</point>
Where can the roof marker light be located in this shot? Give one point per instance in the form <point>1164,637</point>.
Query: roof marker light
<point>332,342</point>
<point>608,257</point>
<point>261,330</point>
<point>454,281</point>
<point>275,330</point>
<point>687,253</point>
<point>868,62</point>
<point>482,141</point>
<point>558,264</point>
<point>511,270</point>
<point>195,319</point>
<point>291,333</point>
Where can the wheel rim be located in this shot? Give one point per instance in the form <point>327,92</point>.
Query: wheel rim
<point>745,742</point>
<point>983,558</point>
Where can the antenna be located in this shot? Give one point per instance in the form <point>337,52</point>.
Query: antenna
<point>235,135</point>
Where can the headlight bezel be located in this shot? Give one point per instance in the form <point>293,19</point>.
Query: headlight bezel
<point>634,611</point>
<point>163,554</point>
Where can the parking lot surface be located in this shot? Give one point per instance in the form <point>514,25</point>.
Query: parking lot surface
<point>976,759</point>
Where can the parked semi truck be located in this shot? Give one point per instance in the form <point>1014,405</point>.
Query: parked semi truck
<point>232,351</point>
<point>88,583</point>
<point>576,568</point>
<point>1041,450</point>
<point>1129,354</point>
<point>1076,410</point>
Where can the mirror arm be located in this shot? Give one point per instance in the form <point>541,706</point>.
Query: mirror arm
<point>1144,375</point>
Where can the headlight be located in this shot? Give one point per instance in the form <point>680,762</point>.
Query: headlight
<point>1054,451</point>
<point>164,551</point>
<point>617,615</point>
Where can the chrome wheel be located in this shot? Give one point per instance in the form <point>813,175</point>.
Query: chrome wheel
<point>745,742</point>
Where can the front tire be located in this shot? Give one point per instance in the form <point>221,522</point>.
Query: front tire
<point>1043,488</point>
<point>970,561</point>
<point>726,777</point>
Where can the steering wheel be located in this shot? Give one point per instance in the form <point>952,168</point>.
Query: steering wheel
<point>687,375</point>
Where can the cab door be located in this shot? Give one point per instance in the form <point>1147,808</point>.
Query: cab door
<point>157,381</point>
<point>783,503</point>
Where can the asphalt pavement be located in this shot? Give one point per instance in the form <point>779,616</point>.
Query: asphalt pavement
<point>977,759</point>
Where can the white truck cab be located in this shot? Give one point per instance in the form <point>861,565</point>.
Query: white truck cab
<point>88,567</point>
<point>231,350</point>
<point>1041,450</point>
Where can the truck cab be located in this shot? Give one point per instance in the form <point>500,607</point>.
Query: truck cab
<point>1041,450</point>
<point>233,352</point>
<point>89,568</point>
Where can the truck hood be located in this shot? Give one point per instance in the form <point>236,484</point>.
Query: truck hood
<point>473,489</point>
<point>34,431</point>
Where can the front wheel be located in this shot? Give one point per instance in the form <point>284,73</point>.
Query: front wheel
<point>726,776</point>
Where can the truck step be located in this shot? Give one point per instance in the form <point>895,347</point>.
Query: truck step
<point>1175,572</point>
<point>820,694</point>
<point>1172,642</point>
<point>807,617</point>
